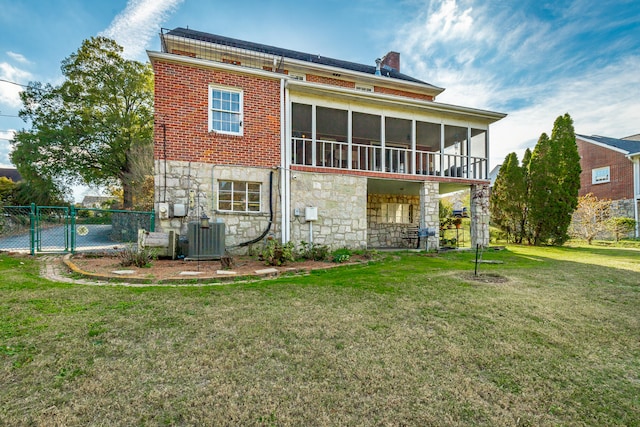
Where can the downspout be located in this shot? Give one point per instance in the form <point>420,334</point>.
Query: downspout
<point>284,182</point>
<point>285,161</point>
<point>266,231</point>
<point>635,158</point>
<point>164,156</point>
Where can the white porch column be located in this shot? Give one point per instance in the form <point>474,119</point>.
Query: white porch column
<point>480,215</point>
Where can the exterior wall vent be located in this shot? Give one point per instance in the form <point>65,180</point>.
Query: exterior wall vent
<point>296,76</point>
<point>364,88</point>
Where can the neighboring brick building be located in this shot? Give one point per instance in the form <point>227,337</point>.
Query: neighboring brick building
<point>611,170</point>
<point>254,135</point>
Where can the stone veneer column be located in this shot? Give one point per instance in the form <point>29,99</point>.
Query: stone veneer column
<point>480,215</point>
<point>430,215</point>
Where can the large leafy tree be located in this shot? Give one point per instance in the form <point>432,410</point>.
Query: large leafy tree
<point>91,128</point>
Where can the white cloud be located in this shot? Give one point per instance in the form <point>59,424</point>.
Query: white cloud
<point>5,147</point>
<point>9,92</point>
<point>499,56</point>
<point>601,102</point>
<point>17,57</point>
<point>134,27</point>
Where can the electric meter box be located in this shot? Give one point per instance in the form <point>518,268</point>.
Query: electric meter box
<point>311,213</point>
<point>179,209</point>
<point>163,210</point>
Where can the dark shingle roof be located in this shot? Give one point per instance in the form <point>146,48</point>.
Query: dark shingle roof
<point>292,54</point>
<point>11,173</point>
<point>630,146</point>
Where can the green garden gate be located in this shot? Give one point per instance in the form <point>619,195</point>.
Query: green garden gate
<point>61,229</point>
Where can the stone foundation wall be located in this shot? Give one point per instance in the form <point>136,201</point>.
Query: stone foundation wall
<point>125,225</point>
<point>342,209</point>
<point>195,185</point>
<point>381,234</point>
<point>622,208</point>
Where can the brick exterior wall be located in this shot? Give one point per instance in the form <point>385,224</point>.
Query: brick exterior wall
<point>182,105</point>
<point>406,94</point>
<point>594,156</point>
<point>330,81</point>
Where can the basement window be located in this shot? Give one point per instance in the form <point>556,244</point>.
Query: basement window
<point>239,196</point>
<point>225,110</point>
<point>600,175</point>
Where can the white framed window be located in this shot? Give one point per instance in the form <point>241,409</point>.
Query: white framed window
<point>239,196</point>
<point>225,110</point>
<point>600,175</point>
<point>396,213</point>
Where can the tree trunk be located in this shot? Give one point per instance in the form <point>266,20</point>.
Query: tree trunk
<point>127,196</point>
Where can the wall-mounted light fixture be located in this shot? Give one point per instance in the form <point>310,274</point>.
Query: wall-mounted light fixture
<point>204,221</point>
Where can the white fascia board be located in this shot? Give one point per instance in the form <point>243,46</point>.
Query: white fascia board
<point>600,144</point>
<point>433,90</point>
<point>320,89</point>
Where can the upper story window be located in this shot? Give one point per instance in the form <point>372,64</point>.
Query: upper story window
<point>600,175</point>
<point>225,110</point>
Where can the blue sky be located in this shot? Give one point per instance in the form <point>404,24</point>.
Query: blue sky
<point>531,59</point>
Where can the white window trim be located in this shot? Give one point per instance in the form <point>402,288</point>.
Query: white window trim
<point>246,191</point>
<point>395,213</point>
<point>241,113</point>
<point>594,173</point>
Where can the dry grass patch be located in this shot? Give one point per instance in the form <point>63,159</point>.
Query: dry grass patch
<point>409,340</point>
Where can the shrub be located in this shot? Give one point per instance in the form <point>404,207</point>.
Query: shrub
<point>621,227</point>
<point>131,255</point>
<point>314,252</point>
<point>275,253</point>
<point>341,255</point>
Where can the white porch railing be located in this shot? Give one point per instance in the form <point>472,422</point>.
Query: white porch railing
<point>335,154</point>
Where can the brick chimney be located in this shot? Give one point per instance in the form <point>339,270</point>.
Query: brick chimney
<point>392,59</point>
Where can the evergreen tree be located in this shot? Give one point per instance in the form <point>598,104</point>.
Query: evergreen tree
<point>524,226</point>
<point>543,186</point>
<point>508,197</point>
<point>554,172</point>
<point>569,170</point>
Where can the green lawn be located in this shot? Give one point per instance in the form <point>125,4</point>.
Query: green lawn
<point>408,340</point>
